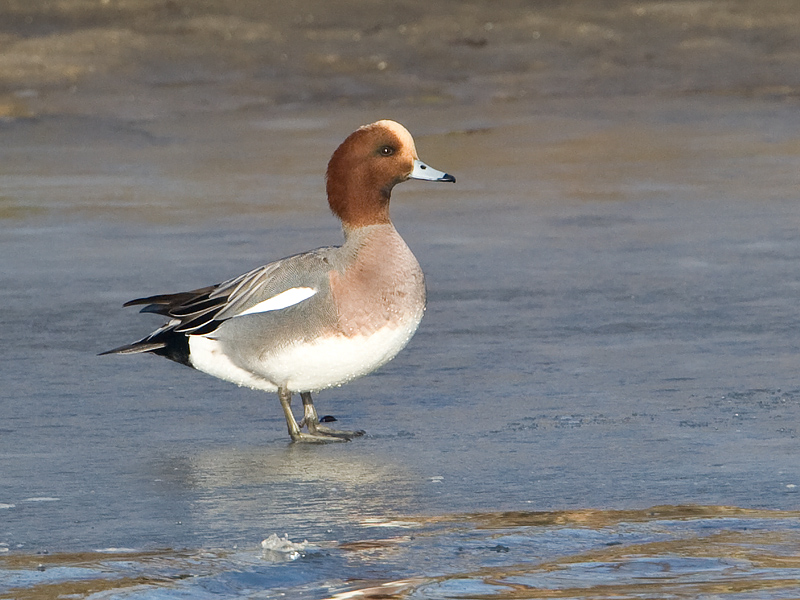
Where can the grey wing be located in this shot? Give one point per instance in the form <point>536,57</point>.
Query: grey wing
<point>202,311</point>
<point>307,271</point>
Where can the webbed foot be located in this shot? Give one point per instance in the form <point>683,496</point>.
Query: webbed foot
<point>316,438</point>
<point>311,421</point>
<point>337,433</point>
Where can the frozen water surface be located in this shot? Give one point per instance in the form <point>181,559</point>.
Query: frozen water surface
<point>603,399</point>
<point>579,354</point>
<point>655,553</point>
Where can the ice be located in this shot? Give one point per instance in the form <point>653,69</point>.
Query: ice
<point>278,549</point>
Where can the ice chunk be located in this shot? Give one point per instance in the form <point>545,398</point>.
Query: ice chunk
<point>282,548</point>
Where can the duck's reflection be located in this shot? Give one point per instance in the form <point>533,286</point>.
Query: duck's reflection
<point>309,491</point>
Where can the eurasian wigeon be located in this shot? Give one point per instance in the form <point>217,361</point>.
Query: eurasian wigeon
<point>317,319</point>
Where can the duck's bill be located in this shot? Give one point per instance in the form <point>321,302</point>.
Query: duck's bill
<point>426,173</point>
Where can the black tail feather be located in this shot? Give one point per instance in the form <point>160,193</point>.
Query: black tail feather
<point>136,348</point>
<point>162,304</point>
<point>167,343</point>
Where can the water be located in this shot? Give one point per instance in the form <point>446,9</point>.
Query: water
<point>663,552</point>
<point>602,401</point>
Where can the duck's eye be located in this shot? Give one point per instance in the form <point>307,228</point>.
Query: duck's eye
<point>386,151</point>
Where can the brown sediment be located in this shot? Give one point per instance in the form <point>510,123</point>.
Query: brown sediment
<point>145,57</point>
<point>77,589</point>
<point>757,561</point>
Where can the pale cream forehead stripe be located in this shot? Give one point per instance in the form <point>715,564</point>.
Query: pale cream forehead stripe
<point>401,132</point>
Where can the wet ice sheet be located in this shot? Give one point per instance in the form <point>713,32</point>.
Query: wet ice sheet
<point>663,551</point>
<point>612,323</point>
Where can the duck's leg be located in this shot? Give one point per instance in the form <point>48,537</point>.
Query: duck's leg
<point>311,420</point>
<point>285,397</point>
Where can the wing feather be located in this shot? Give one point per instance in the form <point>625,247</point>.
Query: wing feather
<point>201,311</point>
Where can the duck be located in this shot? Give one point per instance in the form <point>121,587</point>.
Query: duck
<point>318,319</point>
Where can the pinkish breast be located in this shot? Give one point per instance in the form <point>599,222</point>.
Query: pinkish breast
<point>382,286</point>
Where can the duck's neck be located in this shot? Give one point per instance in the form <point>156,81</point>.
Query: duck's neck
<point>356,236</point>
<point>358,203</point>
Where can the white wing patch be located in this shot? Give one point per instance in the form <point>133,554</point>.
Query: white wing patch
<point>284,299</point>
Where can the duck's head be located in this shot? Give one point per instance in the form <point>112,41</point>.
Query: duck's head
<point>367,165</point>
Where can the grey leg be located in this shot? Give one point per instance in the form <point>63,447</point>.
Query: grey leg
<point>311,420</point>
<point>285,396</point>
<point>313,436</point>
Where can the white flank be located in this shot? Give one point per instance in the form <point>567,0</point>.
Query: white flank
<point>329,362</point>
<point>288,298</point>
<point>304,366</point>
<point>207,355</point>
